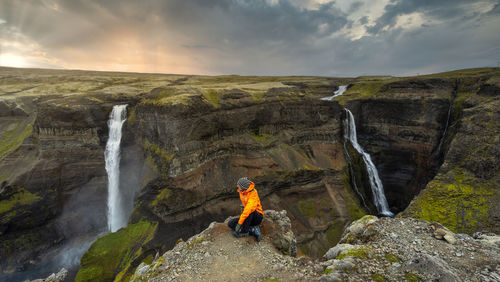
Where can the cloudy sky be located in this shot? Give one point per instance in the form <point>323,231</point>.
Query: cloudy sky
<point>259,37</point>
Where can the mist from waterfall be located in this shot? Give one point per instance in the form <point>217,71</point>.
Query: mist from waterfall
<point>375,183</point>
<point>116,216</point>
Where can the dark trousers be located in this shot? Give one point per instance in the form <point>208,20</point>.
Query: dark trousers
<point>253,219</point>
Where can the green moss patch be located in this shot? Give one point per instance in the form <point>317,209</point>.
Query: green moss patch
<point>131,116</point>
<point>20,198</point>
<point>494,80</point>
<point>12,139</point>
<point>307,207</point>
<point>378,277</point>
<point>334,233</point>
<point>212,96</point>
<point>112,255</point>
<point>327,271</point>
<point>262,138</point>
<point>351,201</point>
<point>170,96</point>
<point>195,242</point>
<point>157,158</point>
<point>392,258</point>
<point>412,277</point>
<point>461,205</point>
<point>163,196</point>
<point>361,253</point>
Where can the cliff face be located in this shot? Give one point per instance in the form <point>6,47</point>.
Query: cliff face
<point>464,195</point>
<point>291,148</point>
<point>401,125</point>
<point>187,140</point>
<point>50,178</point>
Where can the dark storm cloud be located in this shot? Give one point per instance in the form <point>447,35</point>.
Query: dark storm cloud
<point>440,10</point>
<point>495,10</point>
<point>355,6</point>
<point>363,20</point>
<point>256,36</point>
<point>256,19</point>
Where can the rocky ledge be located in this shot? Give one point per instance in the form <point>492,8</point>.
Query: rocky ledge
<point>216,255</point>
<point>372,249</point>
<point>407,249</point>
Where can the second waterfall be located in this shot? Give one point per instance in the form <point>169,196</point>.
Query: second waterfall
<point>116,217</point>
<point>376,184</point>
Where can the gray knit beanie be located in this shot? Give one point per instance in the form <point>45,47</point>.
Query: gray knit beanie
<point>244,183</point>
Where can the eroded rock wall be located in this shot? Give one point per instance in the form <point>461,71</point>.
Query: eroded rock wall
<point>465,193</point>
<point>53,182</point>
<point>401,128</point>
<point>293,150</point>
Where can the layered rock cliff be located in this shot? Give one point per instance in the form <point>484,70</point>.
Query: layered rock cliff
<point>464,195</point>
<point>188,139</point>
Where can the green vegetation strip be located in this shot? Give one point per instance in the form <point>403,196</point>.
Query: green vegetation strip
<point>212,96</point>
<point>21,197</point>
<point>114,253</point>
<point>12,139</point>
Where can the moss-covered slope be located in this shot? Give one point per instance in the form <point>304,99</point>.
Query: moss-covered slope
<point>465,193</point>
<point>115,255</point>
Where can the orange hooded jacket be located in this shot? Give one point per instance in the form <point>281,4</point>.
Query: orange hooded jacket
<point>250,200</point>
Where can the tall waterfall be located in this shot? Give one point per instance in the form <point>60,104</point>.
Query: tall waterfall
<point>339,92</point>
<point>375,183</point>
<point>116,218</point>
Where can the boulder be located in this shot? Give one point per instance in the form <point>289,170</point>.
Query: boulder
<point>360,230</point>
<point>344,265</point>
<point>278,227</point>
<point>442,233</point>
<point>339,248</point>
<point>488,239</point>
<point>434,266</point>
<point>54,277</point>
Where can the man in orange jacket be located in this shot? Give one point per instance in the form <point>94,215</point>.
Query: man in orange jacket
<point>252,215</point>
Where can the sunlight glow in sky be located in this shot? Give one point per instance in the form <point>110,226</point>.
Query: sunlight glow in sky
<point>261,37</point>
<point>9,60</point>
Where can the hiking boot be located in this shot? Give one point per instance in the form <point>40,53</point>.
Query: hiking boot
<point>239,235</point>
<point>255,231</point>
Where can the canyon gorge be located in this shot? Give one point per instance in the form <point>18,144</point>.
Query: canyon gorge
<point>186,140</point>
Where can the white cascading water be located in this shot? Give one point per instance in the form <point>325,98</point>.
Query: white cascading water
<point>116,218</point>
<point>438,151</point>
<point>375,183</point>
<point>339,92</point>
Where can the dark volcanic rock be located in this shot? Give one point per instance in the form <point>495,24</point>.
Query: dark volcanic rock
<point>401,131</point>
<point>464,195</point>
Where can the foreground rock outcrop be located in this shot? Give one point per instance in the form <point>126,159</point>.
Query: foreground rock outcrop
<point>216,255</point>
<point>406,249</point>
<point>372,249</point>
